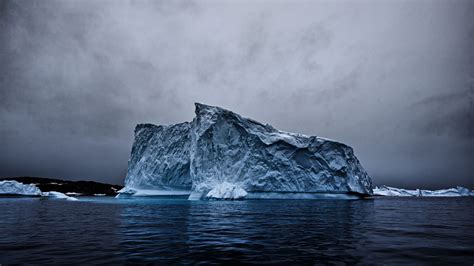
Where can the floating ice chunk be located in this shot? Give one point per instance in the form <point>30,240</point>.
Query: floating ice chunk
<point>58,195</point>
<point>99,195</point>
<point>9,187</point>
<point>450,192</point>
<point>395,192</point>
<point>226,191</point>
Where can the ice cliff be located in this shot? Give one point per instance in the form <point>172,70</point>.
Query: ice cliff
<point>160,158</point>
<point>221,154</point>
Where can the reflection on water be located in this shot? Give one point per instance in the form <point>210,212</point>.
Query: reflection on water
<point>106,230</point>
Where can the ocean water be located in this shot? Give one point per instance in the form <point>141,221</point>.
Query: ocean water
<point>175,231</point>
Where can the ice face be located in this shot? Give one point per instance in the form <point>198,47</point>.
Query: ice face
<point>400,192</point>
<point>220,147</point>
<point>160,158</point>
<point>17,188</point>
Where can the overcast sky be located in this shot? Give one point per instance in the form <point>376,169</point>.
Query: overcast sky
<point>393,79</point>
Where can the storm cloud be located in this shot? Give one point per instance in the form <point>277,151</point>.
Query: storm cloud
<point>393,79</point>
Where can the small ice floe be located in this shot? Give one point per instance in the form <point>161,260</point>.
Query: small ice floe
<point>99,195</point>
<point>57,195</point>
<point>10,187</point>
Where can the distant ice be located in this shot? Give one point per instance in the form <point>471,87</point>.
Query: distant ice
<point>400,192</point>
<point>16,188</point>
<point>73,194</point>
<point>127,192</point>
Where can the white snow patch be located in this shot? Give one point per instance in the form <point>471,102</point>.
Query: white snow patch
<point>73,194</point>
<point>11,187</point>
<point>226,191</point>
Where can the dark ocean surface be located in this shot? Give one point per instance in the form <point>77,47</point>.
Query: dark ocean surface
<point>173,231</point>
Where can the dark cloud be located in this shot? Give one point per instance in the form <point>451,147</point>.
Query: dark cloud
<point>447,114</point>
<point>392,79</point>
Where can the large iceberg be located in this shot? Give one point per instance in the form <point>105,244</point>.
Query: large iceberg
<point>400,192</point>
<point>10,187</point>
<point>221,154</point>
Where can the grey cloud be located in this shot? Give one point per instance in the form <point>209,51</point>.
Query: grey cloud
<point>447,114</point>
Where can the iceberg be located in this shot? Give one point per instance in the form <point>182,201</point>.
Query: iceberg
<point>400,192</point>
<point>8,187</point>
<point>395,192</point>
<point>222,155</point>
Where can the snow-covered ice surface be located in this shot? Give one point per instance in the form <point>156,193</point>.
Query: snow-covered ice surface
<point>221,147</point>
<point>8,187</point>
<point>58,195</point>
<point>400,192</point>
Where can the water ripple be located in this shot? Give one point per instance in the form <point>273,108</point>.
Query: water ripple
<point>105,230</point>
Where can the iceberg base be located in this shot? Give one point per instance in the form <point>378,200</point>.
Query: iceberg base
<point>301,196</point>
